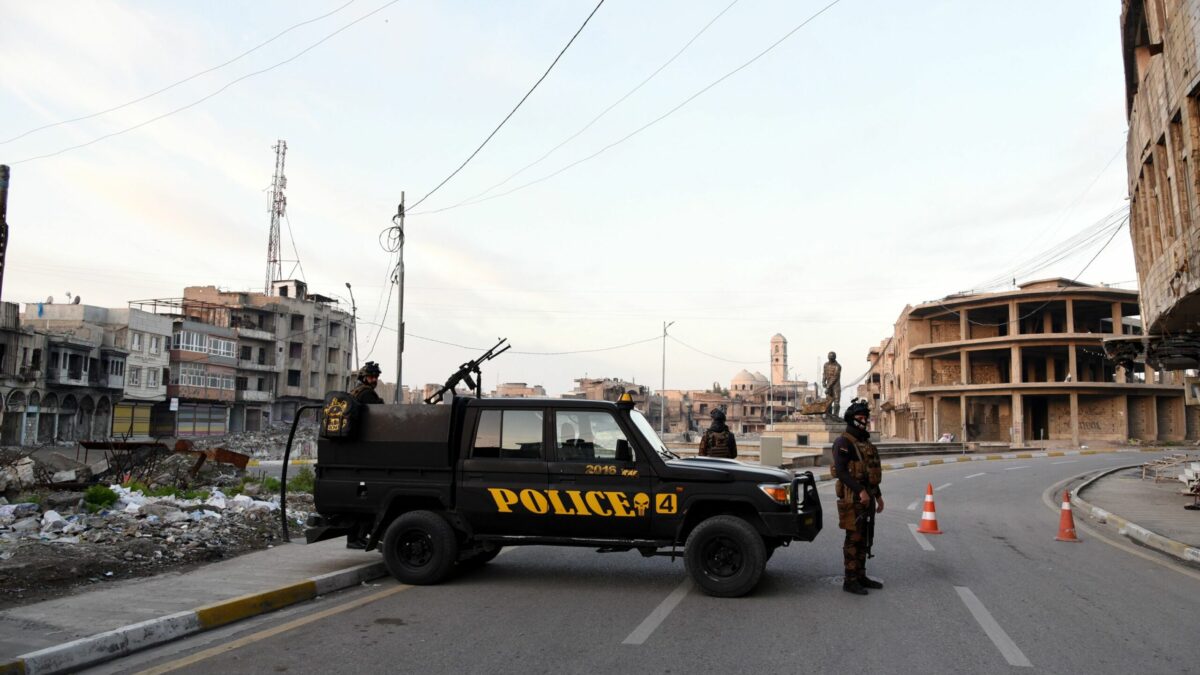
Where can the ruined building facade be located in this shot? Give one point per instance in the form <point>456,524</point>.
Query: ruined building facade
<point>1023,368</point>
<point>1162,85</point>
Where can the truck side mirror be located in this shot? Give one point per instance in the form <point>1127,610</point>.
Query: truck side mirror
<point>624,453</point>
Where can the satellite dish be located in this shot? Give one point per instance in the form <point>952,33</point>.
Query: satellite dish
<point>75,301</point>
<point>49,299</point>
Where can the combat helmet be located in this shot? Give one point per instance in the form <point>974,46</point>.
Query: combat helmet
<point>857,406</point>
<point>370,368</point>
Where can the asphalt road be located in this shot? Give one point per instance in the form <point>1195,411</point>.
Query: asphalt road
<point>996,593</point>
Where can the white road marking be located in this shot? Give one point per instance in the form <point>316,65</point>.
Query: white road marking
<point>976,475</point>
<point>660,613</point>
<point>1069,461</point>
<point>942,487</point>
<point>1009,649</point>
<point>1014,468</point>
<point>920,538</point>
<point>913,506</point>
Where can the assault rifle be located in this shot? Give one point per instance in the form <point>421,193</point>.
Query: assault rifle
<point>866,524</point>
<point>466,370</point>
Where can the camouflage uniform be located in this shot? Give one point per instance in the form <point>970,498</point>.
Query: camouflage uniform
<point>863,471</point>
<point>365,393</point>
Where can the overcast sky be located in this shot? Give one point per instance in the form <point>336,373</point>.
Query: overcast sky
<point>886,153</point>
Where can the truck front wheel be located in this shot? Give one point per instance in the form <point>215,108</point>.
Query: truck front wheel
<point>725,556</point>
<point>420,548</point>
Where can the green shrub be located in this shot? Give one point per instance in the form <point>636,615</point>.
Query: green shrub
<point>304,481</point>
<point>100,497</point>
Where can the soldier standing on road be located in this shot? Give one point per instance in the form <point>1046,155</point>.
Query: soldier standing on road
<point>368,378</point>
<point>718,440</point>
<point>858,472</point>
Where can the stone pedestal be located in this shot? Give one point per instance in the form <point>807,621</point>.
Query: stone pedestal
<point>814,432</point>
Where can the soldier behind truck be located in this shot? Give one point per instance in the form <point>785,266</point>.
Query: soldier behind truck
<point>368,379</point>
<point>718,440</point>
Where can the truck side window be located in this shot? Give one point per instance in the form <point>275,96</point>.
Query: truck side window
<point>509,434</point>
<point>586,436</point>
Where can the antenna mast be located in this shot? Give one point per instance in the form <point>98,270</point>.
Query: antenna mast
<point>278,209</point>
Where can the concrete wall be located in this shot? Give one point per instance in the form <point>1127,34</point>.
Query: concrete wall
<point>946,371</point>
<point>1058,409</point>
<point>1141,418</point>
<point>1192,416</point>
<point>985,372</point>
<point>1102,418</point>
<point>944,331</point>
<point>1171,423</point>
<point>949,418</point>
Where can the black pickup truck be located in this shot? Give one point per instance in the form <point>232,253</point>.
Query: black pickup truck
<point>440,486</point>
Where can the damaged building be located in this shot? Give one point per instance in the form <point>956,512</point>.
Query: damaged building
<point>1023,368</point>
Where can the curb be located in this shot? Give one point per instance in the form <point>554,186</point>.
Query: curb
<point>94,649</point>
<point>955,459</point>
<point>1131,530</point>
<point>279,462</point>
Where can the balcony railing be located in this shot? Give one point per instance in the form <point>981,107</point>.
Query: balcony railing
<point>248,364</point>
<point>251,396</point>
<point>255,334</point>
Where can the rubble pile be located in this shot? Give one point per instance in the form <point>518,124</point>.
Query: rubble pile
<point>267,444</point>
<point>69,540</point>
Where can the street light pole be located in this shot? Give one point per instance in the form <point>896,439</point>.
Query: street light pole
<point>353,323</point>
<point>399,220</point>
<point>662,397</point>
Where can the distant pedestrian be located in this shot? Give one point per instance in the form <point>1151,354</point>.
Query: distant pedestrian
<point>368,378</point>
<point>718,440</point>
<point>858,471</point>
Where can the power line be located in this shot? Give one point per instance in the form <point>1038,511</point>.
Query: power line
<point>649,124</point>
<point>211,95</point>
<point>558,353</point>
<point>183,81</point>
<point>604,112</point>
<point>712,356</point>
<point>514,110</point>
<point>1052,297</point>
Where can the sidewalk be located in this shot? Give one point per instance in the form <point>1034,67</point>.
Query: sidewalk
<point>1149,513</point>
<point>277,577</point>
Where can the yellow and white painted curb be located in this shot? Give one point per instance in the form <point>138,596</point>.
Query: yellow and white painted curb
<point>955,459</point>
<point>89,651</point>
<point>1131,530</point>
<point>279,462</point>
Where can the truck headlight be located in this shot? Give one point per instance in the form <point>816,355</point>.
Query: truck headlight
<point>780,493</point>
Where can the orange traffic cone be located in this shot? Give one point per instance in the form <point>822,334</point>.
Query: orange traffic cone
<point>1066,522</point>
<point>929,515</point>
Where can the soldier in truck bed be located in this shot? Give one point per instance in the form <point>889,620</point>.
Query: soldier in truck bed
<point>718,440</point>
<point>368,378</point>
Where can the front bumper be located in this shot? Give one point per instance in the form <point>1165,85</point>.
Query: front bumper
<point>804,522</point>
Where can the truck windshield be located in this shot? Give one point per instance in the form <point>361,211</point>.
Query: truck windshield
<point>651,437</point>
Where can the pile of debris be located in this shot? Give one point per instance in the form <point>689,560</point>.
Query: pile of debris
<point>68,540</point>
<point>268,444</point>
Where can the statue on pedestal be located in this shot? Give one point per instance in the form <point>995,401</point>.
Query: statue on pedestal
<point>831,379</point>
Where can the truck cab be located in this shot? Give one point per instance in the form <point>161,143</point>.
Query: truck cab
<point>440,486</point>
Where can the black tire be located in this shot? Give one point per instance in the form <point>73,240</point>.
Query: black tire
<point>420,548</point>
<point>725,556</point>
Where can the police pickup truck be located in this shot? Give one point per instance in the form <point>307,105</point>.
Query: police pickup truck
<point>443,486</point>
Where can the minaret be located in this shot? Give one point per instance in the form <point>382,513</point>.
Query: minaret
<point>778,359</point>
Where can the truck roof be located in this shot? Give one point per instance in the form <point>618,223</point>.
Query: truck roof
<point>560,403</point>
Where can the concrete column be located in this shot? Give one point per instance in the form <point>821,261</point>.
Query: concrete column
<point>1070,315</point>
<point>964,364</point>
<point>1014,366</point>
<point>1050,374</point>
<point>1118,329</point>
<point>936,432</point>
<point>964,326</point>
<point>1014,326</point>
<point>21,437</point>
<point>1149,371</point>
<point>1017,437</point>
<point>1120,375</point>
<point>1125,418</point>
<point>1074,419</point>
<point>1072,364</point>
<point>1152,419</point>
<point>962,414</point>
<point>1047,320</point>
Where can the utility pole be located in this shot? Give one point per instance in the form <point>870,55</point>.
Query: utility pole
<point>353,323</point>
<point>3,221</point>
<point>399,280</point>
<point>662,397</point>
<point>278,209</point>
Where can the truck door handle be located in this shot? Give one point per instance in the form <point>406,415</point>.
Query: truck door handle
<point>568,479</point>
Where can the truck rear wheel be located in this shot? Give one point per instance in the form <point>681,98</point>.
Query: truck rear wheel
<point>725,556</point>
<point>420,548</point>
